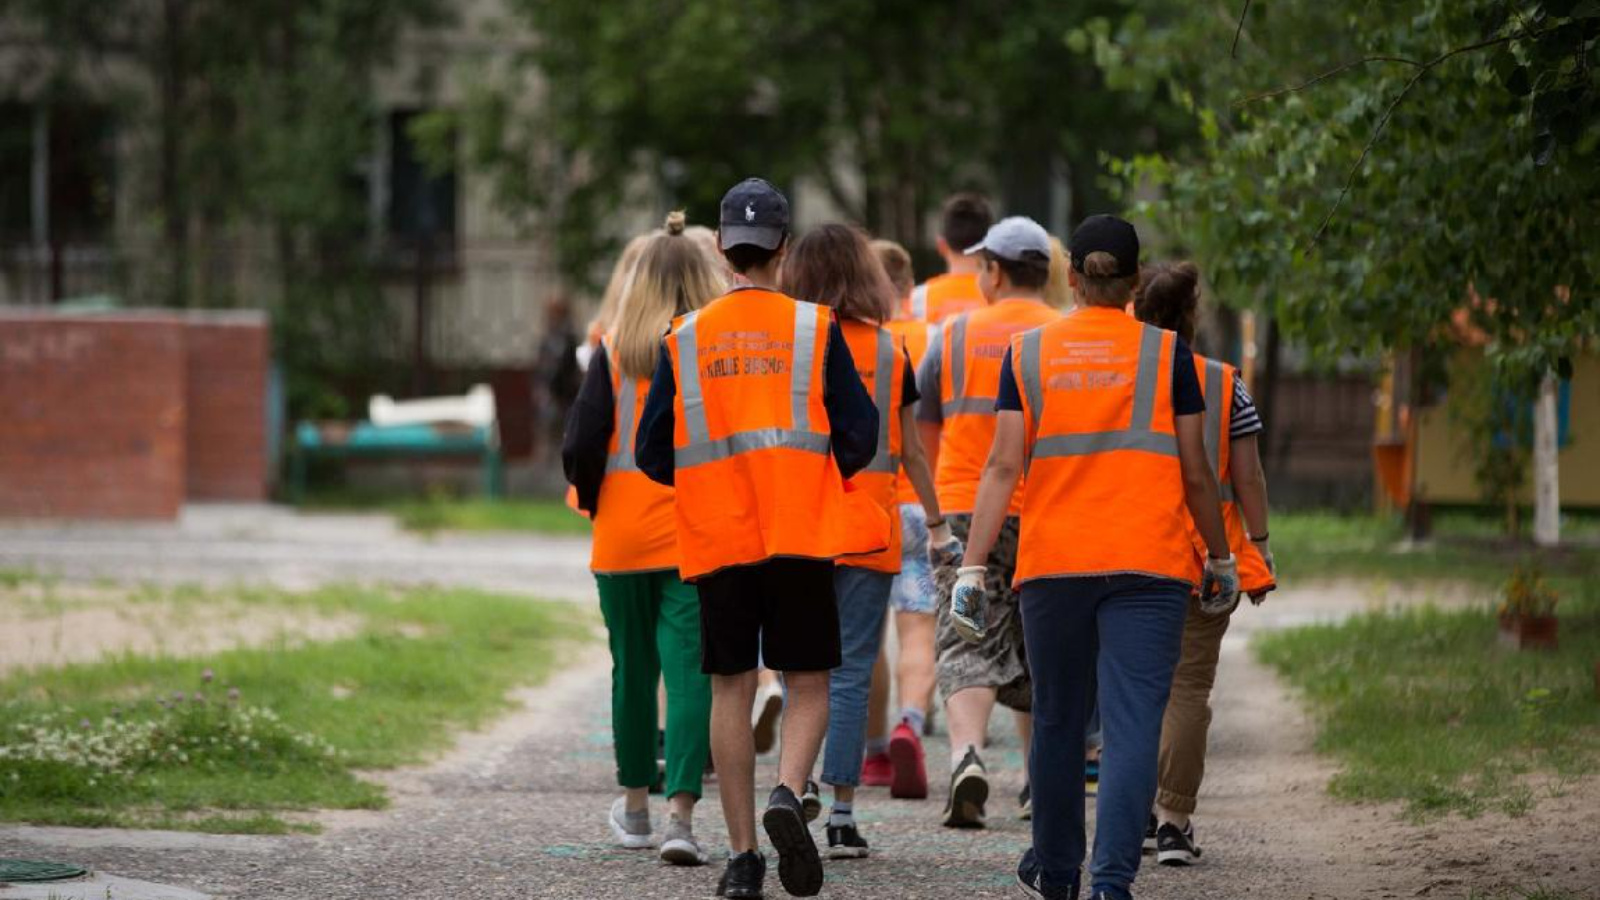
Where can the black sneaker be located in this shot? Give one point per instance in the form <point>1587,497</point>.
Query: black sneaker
<point>1176,847</point>
<point>1150,829</point>
<point>811,801</point>
<point>743,876</point>
<point>799,866</point>
<point>1025,803</point>
<point>845,842</point>
<point>1030,877</point>
<point>969,791</point>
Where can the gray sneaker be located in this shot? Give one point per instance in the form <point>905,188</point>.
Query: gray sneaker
<point>632,830</point>
<point>679,847</point>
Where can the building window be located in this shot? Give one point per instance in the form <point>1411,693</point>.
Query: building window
<point>422,200</point>
<point>57,174</point>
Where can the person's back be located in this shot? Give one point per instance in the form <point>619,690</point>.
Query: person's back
<point>967,360</point>
<point>963,221</point>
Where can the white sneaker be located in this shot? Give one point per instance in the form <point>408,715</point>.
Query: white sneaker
<point>679,847</point>
<point>632,830</point>
<point>764,716</point>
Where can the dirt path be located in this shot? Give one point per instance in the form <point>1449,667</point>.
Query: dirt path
<point>518,812</point>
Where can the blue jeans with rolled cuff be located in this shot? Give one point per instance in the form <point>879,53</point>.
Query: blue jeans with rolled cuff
<point>863,605</point>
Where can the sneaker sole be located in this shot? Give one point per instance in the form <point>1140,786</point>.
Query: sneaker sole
<point>910,779</point>
<point>799,866</point>
<point>1149,846</point>
<point>849,852</point>
<point>967,798</point>
<point>765,730</point>
<point>629,841</point>
<point>1177,858</point>
<point>683,853</point>
<point>1027,889</point>
<point>811,808</point>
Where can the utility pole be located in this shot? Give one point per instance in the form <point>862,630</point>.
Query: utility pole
<point>1546,465</point>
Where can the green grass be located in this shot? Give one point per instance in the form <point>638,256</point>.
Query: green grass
<point>445,513</point>
<point>425,664</point>
<point>1423,706</point>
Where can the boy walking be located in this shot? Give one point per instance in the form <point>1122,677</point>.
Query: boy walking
<point>756,415</point>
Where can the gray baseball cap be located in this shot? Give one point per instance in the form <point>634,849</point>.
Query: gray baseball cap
<point>1013,238</point>
<point>753,212</point>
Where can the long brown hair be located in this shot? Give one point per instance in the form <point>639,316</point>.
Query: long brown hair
<point>672,276</point>
<point>834,265</point>
<point>1170,297</point>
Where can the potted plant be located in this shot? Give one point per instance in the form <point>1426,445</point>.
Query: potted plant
<point>1528,610</point>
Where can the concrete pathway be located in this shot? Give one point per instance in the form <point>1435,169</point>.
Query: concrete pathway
<point>225,544</point>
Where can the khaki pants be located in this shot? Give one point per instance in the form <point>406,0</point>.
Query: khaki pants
<point>1182,762</point>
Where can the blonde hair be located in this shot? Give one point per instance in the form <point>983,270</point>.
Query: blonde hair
<point>1099,284</point>
<point>1057,291</point>
<point>672,276</point>
<point>606,317</point>
<point>896,264</point>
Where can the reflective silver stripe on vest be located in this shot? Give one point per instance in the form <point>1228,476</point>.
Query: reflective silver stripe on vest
<point>694,402</point>
<point>919,301</point>
<point>1140,433</point>
<point>972,406</point>
<point>805,351</point>
<point>1214,407</point>
<point>958,360</point>
<point>747,441</point>
<point>883,398</point>
<point>626,406</point>
<point>1144,385</point>
<point>1032,376</point>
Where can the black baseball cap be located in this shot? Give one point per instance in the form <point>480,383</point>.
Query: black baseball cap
<point>753,212</point>
<point>1106,234</point>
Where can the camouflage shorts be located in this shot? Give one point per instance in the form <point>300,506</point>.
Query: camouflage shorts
<point>1000,661</point>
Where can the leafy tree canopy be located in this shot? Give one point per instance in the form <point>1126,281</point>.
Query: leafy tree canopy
<point>1361,165</point>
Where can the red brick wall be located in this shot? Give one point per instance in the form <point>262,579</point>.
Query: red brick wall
<point>91,416</point>
<point>228,357</point>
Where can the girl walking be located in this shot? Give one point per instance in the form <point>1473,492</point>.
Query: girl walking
<point>834,266</point>
<point>1106,416</point>
<point>652,617</point>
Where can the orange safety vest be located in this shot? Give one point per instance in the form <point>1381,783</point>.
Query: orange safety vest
<point>1105,488</point>
<point>971,349</point>
<point>882,368</point>
<point>634,528</point>
<point>914,335</point>
<point>943,296</point>
<point>755,471</point>
<point>1216,383</point>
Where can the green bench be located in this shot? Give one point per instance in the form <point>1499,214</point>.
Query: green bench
<point>366,440</point>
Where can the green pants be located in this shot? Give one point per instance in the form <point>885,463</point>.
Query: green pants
<point>654,625</point>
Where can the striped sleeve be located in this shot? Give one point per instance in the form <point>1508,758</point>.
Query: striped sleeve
<point>1245,420</point>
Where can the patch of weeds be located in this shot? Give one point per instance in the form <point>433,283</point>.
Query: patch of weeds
<point>1424,707</point>
<point>89,745</point>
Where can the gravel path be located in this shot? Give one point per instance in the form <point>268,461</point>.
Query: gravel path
<point>518,811</point>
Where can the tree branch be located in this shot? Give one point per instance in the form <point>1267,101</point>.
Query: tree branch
<point>1233,52</point>
<point>1324,76</point>
<point>1388,113</point>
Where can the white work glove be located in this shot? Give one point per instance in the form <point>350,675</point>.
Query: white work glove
<point>944,548</point>
<point>1265,549</point>
<point>967,602</point>
<point>1219,589</point>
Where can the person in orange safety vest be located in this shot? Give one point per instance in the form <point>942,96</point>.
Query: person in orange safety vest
<point>757,416</point>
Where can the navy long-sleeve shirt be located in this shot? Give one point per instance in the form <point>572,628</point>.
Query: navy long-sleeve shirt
<point>852,417</point>
<point>586,442</point>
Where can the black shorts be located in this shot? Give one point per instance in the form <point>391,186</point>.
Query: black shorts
<point>784,607</point>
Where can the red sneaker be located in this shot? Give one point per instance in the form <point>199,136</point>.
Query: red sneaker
<point>877,771</point>
<point>910,780</point>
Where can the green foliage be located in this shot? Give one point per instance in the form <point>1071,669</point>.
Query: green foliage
<point>1362,166</point>
<point>1422,708</point>
<point>425,663</point>
<point>1501,445</point>
<point>644,105</point>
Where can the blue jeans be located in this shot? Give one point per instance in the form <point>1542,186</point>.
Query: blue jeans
<point>863,602</point>
<point>1137,622</point>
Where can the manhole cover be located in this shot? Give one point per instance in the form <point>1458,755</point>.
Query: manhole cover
<point>20,870</point>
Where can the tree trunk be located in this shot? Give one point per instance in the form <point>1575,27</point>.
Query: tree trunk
<point>173,208</point>
<point>1546,466</point>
